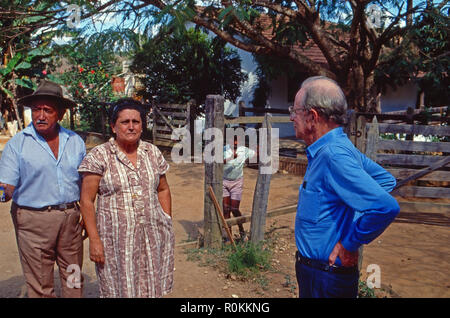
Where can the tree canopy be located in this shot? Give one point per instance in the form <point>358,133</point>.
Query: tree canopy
<point>354,41</point>
<point>363,48</point>
<point>179,66</point>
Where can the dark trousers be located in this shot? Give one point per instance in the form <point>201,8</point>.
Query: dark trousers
<point>316,283</point>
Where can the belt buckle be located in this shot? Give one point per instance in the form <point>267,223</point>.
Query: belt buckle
<point>60,207</point>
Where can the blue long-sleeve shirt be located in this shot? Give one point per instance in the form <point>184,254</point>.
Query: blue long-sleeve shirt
<point>340,181</point>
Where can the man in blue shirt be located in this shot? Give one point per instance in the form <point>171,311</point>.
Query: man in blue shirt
<point>38,170</point>
<point>339,182</point>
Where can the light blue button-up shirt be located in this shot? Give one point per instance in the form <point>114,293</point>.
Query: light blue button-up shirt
<point>340,181</point>
<point>39,178</point>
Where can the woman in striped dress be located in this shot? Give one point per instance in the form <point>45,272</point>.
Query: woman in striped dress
<point>131,236</point>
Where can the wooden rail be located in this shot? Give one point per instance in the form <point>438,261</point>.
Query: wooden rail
<point>167,117</point>
<point>412,161</point>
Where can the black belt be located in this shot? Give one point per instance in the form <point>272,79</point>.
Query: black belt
<point>60,207</point>
<point>325,266</point>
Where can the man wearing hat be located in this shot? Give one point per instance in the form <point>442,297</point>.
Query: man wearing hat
<point>38,170</point>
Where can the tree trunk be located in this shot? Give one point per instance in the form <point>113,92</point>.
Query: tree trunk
<point>16,109</point>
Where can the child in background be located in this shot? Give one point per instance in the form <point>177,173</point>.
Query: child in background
<point>233,179</point>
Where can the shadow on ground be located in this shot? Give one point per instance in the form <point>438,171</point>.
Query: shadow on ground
<point>15,287</point>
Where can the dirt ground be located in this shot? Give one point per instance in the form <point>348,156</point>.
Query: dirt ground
<point>414,259</point>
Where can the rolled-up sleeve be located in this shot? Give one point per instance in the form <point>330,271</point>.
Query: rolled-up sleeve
<point>9,164</point>
<point>365,192</point>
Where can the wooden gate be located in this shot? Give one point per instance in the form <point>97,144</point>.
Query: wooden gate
<point>422,168</point>
<point>167,117</point>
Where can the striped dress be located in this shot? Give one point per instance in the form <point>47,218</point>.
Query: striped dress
<point>136,233</point>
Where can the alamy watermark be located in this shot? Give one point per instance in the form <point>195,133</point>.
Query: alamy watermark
<point>74,279</point>
<point>74,17</point>
<point>259,141</point>
<point>374,278</point>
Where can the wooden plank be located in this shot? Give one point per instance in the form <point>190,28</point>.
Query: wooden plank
<point>163,128</point>
<point>174,122</point>
<point>360,134</point>
<point>214,118</point>
<point>269,214</point>
<point>164,143</point>
<point>441,163</point>
<point>160,115</point>
<point>372,140</point>
<point>245,120</point>
<point>425,207</point>
<point>173,114</point>
<point>424,192</point>
<point>281,119</point>
<point>164,136</point>
<point>155,120</point>
<point>173,106</point>
<point>219,210</point>
<point>401,174</point>
<point>414,129</point>
<point>417,111</point>
<point>423,218</point>
<point>261,194</point>
<point>264,110</point>
<point>257,120</point>
<point>407,160</point>
<point>407,145</point>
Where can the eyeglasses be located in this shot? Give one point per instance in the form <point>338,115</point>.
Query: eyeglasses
<point>294,111</point>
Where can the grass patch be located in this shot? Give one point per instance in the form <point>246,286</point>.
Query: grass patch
<point>249,259</point>
<point>247,262</point>
<point>364,291</point>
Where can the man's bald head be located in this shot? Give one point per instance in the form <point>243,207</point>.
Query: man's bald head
<point>325,96</point>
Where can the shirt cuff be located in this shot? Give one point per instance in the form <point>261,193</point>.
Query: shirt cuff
<point>349,243</point>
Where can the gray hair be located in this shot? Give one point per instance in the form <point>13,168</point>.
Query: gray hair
<point>328,100</point>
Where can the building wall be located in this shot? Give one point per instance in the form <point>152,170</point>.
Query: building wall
<point>400,99</point>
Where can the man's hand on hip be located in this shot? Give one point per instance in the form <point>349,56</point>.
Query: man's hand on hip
<point>348,259</point>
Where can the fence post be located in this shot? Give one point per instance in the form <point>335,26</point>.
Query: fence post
<point>373,135</point>
<point>370,151</point>
<point>155,117</point>
<point>351,125</point>
<point>360,140</point>
<point>214,118</point>
<point>261,194</point>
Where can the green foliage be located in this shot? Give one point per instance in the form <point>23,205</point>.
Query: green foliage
<point>91,62</point>
<point>185,65</point>
<point>364,291</point>
<point>249,259</point>
<point>89,87</point>
<point>422,55</point>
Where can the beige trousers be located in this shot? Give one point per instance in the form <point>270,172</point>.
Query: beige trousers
<point>46,237</point>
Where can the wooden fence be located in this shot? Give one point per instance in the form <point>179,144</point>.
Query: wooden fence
<point>422,168</point>
<point>427,162</point>
<point>167,117</point>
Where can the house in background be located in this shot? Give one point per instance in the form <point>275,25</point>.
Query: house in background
<point>282,90</point>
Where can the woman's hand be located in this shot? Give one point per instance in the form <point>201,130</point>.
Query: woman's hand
<point>96,252</point>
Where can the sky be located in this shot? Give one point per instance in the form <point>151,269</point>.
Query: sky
<point>107,21</point>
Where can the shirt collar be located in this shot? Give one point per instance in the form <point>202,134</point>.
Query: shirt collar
<point>31,130</point>
<point>315,147</point>
<point>114,147</point>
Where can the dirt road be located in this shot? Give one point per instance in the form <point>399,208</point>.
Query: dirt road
<point>414,259</point>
